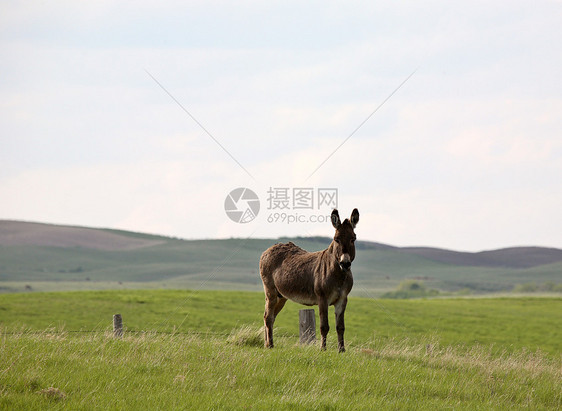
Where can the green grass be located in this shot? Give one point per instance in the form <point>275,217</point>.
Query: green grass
<point>508,323</point>
<point>203,350</point>
<point>191,372</point>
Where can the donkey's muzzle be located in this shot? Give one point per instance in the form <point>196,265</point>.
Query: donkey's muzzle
<point>345,262</point>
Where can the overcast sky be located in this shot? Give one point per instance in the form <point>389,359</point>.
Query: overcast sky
<point>144,117</point>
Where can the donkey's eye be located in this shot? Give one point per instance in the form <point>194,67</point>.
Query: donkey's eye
<point>337,240</point>
<point>353,240</point>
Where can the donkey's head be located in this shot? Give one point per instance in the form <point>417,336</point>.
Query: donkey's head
<point>344,238</point>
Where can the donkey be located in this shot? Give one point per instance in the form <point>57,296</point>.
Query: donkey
<point>321,278</point>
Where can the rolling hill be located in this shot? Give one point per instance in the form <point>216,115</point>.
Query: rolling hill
<point>37,256</point>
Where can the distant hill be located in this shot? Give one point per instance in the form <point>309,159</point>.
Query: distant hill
<point>16,233</point>
<point>515,257</point>
<point>49,257</point>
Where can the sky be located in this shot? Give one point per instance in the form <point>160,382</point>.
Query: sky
<point>440,121</point>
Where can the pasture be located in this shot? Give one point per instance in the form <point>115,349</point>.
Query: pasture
<point>204,349</point>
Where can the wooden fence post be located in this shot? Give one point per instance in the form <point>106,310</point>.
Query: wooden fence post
<point>307,326</point>
<point>117,326</point>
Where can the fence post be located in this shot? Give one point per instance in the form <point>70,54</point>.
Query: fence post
<point>307,326</point>
<point>117,326</point>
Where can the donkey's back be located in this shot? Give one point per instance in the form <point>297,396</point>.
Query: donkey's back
<point>275,255</point>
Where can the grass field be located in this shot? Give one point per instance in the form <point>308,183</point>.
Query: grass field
<point>508,323</point>
<point>204,350</point>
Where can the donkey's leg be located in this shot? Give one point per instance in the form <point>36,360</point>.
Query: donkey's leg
<point>324,326</point>
<point>271,311</point>
<point>279,306</point>
<point>271,300</point>
<point>340,323</point>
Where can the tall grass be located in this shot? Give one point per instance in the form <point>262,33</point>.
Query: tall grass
<point>177,371</point>
<point>204,350</point>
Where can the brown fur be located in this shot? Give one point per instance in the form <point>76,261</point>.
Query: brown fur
<point>321,278</point>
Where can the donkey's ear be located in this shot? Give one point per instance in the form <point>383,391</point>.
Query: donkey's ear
<point>335,219</point>
<point>354,219</point>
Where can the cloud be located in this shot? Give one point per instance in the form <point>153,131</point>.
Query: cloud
<point>465,155</point>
